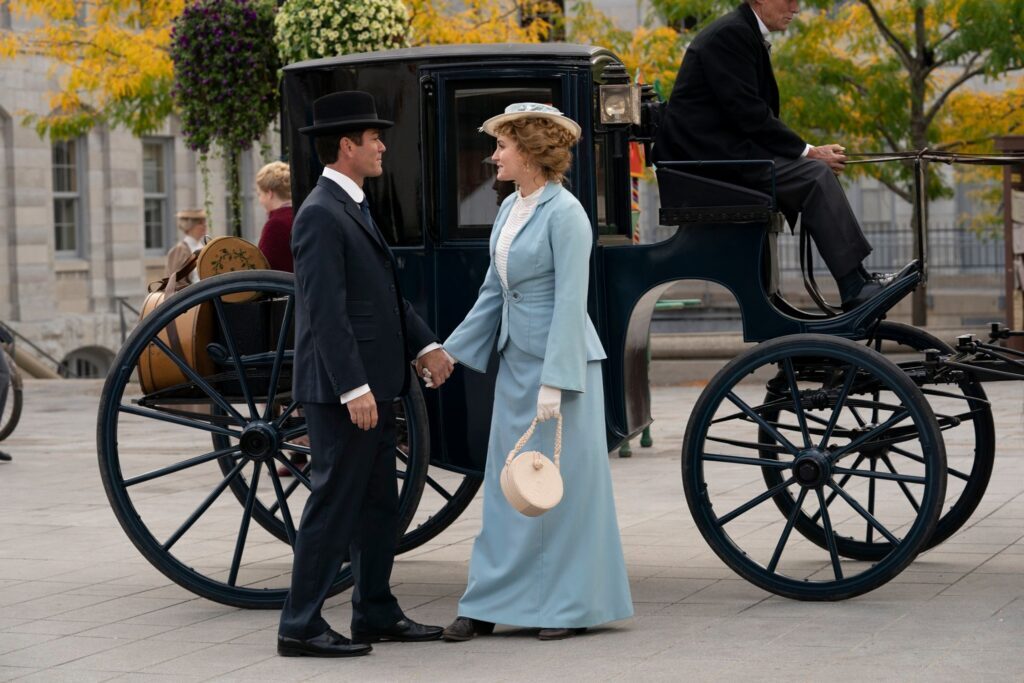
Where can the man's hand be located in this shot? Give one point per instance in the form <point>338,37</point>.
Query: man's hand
<point>363,411</point>
<point>437,365</point>
<point>832,155</point>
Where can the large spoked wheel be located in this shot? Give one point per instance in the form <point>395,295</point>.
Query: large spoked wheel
<point>412,454</point>
<point>431,497</point>
<point>12,408</point>
<point>167,487</point>
<point>963,414</point>
<point>823,380</point>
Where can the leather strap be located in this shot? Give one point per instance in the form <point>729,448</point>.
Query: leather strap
<point>170,284</point>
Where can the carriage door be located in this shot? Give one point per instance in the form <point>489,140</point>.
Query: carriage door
<point>466,195</point>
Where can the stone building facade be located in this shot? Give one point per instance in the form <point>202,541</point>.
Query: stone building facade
<point>85,224</point>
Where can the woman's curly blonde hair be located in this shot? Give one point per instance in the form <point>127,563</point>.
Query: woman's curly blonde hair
<point>275,177</point>
<point>543,142</point>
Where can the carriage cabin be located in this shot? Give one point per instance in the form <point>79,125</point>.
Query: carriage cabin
<point>438,196</point>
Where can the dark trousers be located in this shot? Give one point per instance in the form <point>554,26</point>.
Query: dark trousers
<point>809,187</point>
<point>352,510</point>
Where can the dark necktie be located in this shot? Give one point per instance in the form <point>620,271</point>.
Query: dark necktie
<point>364,206</point>
<point>767,46</point>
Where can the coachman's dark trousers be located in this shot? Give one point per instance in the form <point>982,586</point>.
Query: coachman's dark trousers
<point>352,511</point>
<point>809,187</point>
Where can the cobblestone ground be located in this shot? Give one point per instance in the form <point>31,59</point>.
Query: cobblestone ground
<point>78,602</point>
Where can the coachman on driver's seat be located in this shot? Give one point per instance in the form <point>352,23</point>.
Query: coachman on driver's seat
<point>725,106</point>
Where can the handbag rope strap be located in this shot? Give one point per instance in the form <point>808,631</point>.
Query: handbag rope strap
<point>526,437</point>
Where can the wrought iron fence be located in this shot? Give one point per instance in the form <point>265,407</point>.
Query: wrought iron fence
<point>951,250</point>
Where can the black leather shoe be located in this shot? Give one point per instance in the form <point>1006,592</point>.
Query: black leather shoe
<point>404,630</point>
<point>870,289</point>
<point>330,643</point>
<point>559,633</point>
<point>5,457</point>
<point>464,628</point>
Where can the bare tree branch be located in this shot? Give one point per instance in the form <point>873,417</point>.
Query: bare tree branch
<point>968,73</point>
<point>901,49</point>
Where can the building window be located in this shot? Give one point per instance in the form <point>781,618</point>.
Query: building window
<point>68,212</point>
<point>5,14</point>
<point>156,176</point>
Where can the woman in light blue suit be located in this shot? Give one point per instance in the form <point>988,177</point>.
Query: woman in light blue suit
<point>563,571</point>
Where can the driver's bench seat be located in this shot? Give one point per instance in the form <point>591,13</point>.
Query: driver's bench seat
<point>687,198</point>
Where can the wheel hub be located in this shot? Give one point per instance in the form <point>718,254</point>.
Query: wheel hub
<point>812,468</point>
<point>259,440</point>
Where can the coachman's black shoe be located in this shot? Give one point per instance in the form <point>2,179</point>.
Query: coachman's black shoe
<point>404,630</point>
<point>330,643</point>
<point>870,289</point>
<point>464,628</point>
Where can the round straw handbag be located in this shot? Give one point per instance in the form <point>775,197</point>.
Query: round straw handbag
<point>531,482</point>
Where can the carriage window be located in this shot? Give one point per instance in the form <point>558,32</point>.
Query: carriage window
<point>477,193</point>
<point>605,179</point>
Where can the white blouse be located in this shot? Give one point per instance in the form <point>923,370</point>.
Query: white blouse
<point>521,211</point>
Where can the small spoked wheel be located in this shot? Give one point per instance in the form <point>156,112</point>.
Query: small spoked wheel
<point>829,468</point>
<point>964,415</point>
<point>12,408</point>
<point>225,349</point>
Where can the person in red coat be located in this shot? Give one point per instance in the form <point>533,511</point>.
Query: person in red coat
<point>274,191</point>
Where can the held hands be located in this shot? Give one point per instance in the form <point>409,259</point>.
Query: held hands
<point>434,367</point>
<point>549,402</point>
<point>832,155</point>
<point>363,411</point>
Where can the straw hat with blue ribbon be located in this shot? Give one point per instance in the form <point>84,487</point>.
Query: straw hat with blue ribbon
<point>523,110</point>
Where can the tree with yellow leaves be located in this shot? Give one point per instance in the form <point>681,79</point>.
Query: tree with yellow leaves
<point>445,22</point>
<point>110,59</point>
<point>890,75</point>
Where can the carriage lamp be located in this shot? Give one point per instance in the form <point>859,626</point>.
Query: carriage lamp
<point>620,104</point>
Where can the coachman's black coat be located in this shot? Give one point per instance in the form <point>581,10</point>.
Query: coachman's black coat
<point>725,103</point>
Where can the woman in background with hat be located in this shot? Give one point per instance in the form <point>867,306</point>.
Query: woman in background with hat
<point>192,224</point>
<point>563,571</point>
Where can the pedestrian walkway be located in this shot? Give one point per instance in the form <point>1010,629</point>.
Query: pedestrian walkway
<point>78,602</point>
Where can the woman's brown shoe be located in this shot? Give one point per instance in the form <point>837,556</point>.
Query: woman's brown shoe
<point>559,633</point>
<point>464,628</point>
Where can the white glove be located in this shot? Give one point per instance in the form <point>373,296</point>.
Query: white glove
<point>428,381</point>
<point>549,402</point>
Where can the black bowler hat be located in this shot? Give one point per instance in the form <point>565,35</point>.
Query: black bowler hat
<point>344,111</point>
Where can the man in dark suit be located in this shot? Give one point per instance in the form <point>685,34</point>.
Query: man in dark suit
<point>354,336</point>
<point>725,106</point>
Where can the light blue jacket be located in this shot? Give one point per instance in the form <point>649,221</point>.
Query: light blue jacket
<point>544,309</point>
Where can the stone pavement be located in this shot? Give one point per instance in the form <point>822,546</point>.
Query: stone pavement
<point>79,603</point>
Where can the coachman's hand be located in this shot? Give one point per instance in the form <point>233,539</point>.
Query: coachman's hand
<point>363,411</point>
<point>832,155</point>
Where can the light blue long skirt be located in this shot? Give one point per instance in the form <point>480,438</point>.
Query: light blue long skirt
<point>564,569</point>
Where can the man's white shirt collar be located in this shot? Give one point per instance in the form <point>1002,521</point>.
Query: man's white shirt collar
<point>193,243</point>
<point>760,25</point>
<point>345,183</point>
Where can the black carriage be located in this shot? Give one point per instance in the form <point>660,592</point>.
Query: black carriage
<point>817,431</point>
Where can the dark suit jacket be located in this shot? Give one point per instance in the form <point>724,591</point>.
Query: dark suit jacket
<point>725,102</point>
<point>352,327</point>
